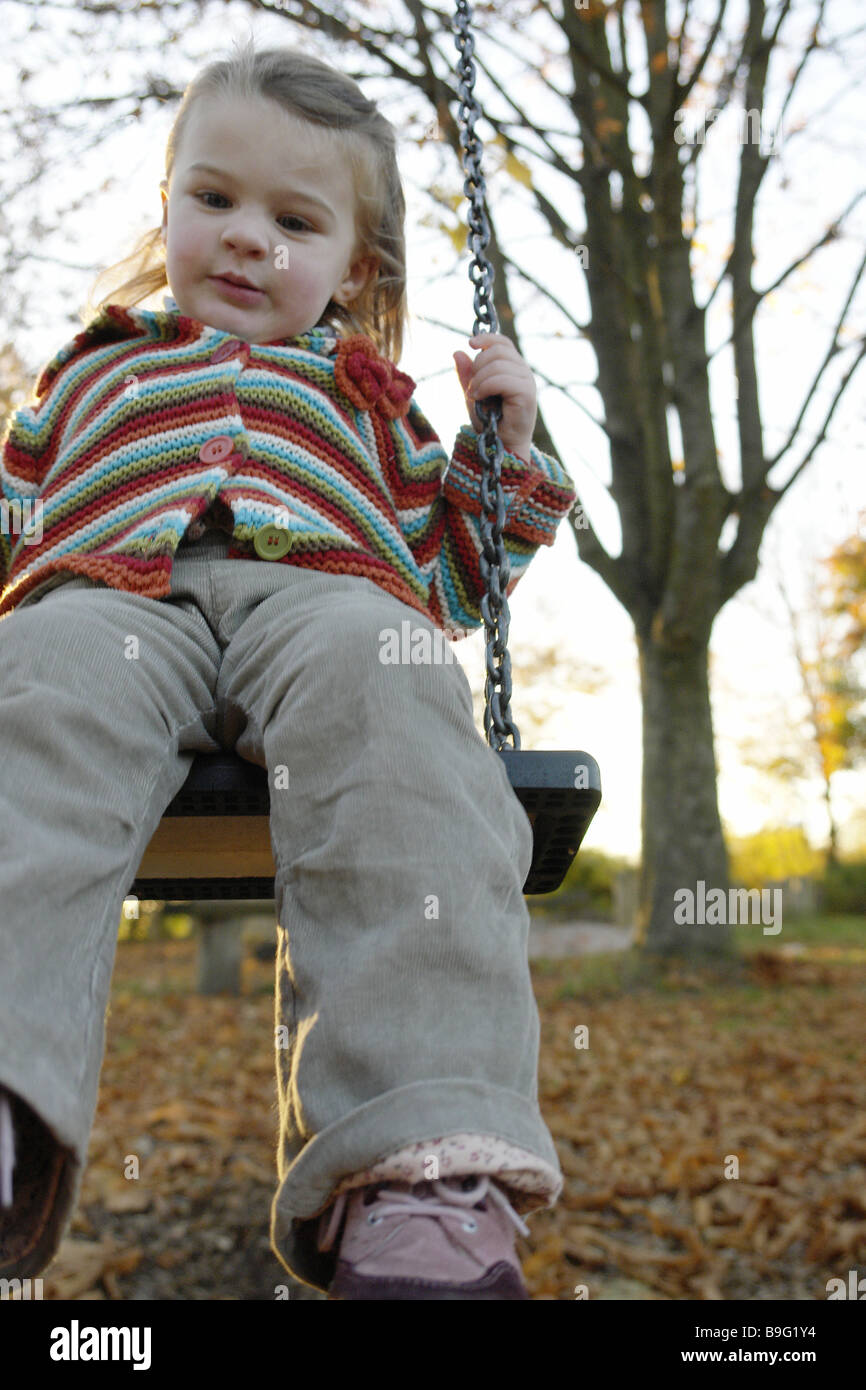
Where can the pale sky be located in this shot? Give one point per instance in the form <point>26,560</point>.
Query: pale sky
<point>559,598</point>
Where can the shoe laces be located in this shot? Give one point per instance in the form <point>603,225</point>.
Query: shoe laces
<point>453,1201</point>
<point>7,1150</point>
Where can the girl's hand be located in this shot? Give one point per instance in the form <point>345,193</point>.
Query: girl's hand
<point>499,370</point>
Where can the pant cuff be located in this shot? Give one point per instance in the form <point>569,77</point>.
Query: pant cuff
<point>369,1134</point>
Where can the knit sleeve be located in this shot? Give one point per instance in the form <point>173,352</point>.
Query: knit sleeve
<point>29,447</point>
<point>5,539</point>
<point>439,507</point>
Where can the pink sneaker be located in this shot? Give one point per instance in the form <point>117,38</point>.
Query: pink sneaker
<point>451,1238</point>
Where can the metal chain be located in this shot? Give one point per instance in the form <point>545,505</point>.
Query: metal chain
<point>493,562</point>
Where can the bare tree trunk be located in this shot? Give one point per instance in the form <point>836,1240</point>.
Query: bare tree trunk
<point>680,816</point>
<point>219,954</point>
<point>833,847</point>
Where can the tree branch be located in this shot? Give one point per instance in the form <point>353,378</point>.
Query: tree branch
<point>753,166</point>
<point>831,234</point>
<point>523,122</point>
<point>682,90</point>
<point>681,40</point>
<point>580,328</point>
<point>575,29</point>
<point>833,350</point>
<point>812,47</point>
<point>819,439</point>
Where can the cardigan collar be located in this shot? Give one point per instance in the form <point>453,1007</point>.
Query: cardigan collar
<point>321,338</point>
<point>114,322</point>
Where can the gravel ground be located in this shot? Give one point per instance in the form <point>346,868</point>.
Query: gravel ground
<point>576,939</point>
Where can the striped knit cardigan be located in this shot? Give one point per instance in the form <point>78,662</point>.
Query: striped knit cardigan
<point>146,418</point>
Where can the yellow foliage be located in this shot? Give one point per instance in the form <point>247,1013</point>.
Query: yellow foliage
<point>652,277</point>
<point>518,170</point>
<point>771,854</point>
<point>458,235</point>
<point>451,198</point>
<point>608,125</point>
<point>513,166</point>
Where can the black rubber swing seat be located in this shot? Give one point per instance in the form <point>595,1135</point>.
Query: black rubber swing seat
<point>214,838</point>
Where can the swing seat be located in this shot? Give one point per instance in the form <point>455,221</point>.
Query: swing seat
<point>214,838</point>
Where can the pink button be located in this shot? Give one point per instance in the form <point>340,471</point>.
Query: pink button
<point>229,349</point>
<point>216,449</point>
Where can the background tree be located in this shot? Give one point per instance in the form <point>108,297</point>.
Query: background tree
<point>624,76</point>
<point>797,741</point>
<point>846,583</point>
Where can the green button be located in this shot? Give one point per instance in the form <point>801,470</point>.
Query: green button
<point>272,542</point>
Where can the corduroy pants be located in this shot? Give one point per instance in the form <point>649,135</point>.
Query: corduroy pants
<point>400,848</point>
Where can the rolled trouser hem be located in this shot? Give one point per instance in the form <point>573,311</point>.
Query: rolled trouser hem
<point>61,1087</point>
<point>403,1116</point>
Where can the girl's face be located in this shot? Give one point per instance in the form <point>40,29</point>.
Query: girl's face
<point>275,207</point>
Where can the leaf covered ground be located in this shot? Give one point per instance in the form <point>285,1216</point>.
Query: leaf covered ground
<point>712,1137</point>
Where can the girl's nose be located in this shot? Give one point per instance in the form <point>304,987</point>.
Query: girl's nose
<point>246,235</point>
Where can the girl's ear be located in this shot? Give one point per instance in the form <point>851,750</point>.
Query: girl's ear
<point>357,279</point>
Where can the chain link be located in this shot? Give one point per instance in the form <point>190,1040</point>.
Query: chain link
<point>493,562</point>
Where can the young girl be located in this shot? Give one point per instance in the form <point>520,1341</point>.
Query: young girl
<point>237,499</point>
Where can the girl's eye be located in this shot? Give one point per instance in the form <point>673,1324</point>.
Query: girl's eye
<point>304,226</point>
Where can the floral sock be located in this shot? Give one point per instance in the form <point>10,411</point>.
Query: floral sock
<point>532,1184</point>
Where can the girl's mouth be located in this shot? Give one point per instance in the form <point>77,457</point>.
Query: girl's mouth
<point>242,294</point>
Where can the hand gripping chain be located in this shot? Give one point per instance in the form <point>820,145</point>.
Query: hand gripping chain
<point>493,562</point>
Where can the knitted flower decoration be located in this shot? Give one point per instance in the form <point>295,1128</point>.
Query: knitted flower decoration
<point>368,380</point>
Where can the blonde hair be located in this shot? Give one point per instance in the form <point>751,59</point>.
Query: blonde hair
<point>311,90</point>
